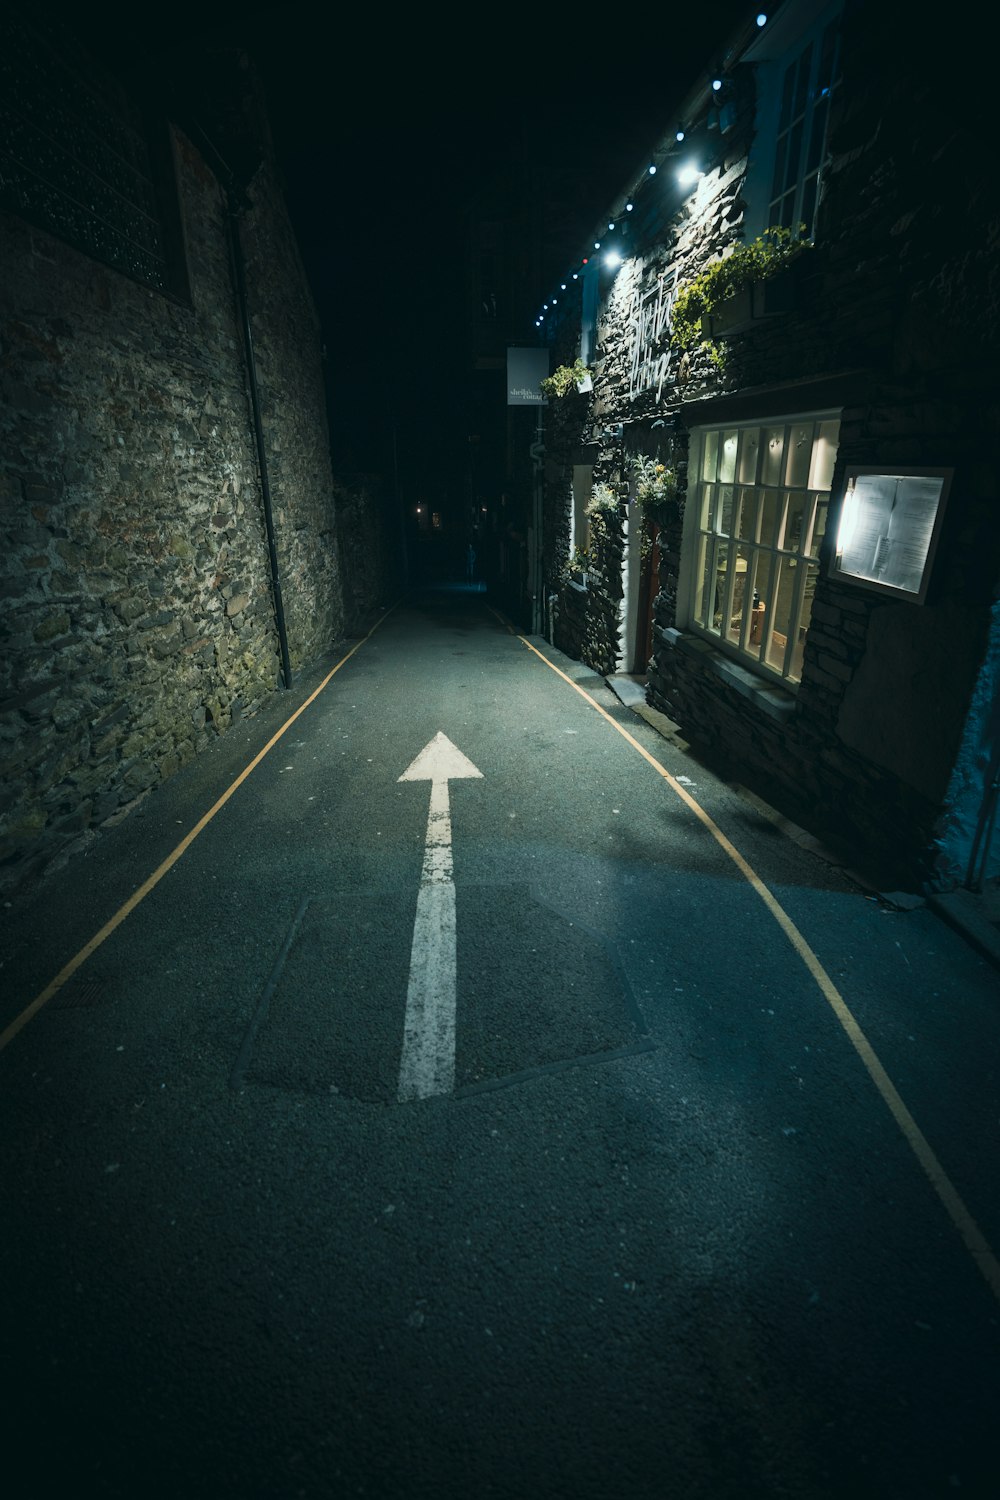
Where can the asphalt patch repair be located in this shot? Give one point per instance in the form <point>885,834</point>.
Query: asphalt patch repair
<point>536,991</point>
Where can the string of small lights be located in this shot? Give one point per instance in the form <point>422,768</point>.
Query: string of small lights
<point>688,174</point>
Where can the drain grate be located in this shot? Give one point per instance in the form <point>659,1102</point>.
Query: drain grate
<point>81,993</point>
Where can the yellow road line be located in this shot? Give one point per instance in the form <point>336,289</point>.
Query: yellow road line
<point>972,1236</point>
<point>143,891</point>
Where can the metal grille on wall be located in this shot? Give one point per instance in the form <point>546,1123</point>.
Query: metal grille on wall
<point>75,158</point>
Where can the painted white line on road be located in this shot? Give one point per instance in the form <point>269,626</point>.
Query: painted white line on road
<point>428,1062</point>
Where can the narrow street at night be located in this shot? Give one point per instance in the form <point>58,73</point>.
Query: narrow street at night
<point>446,1085</point>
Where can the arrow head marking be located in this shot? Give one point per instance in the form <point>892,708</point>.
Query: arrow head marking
<point>440,760</point>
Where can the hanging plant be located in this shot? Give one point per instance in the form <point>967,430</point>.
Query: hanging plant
<point>565,379</point>
<point>655,490</point>
<point>602,505</point>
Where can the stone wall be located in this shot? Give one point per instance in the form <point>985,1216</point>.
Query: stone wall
<point>370,552</point>
<point>137,616</point>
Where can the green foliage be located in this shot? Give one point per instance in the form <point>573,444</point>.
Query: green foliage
<point>702,296</point>
<point>565,379</point>
<point>577,564</point>
<point>603,502</point>
<point>602,505</point>
<point>655,488</point>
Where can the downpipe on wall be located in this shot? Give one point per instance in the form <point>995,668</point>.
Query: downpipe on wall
<point>239,279</point>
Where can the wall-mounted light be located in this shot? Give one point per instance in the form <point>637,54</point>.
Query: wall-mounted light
<point>689,174</point>
<point>612,259</point>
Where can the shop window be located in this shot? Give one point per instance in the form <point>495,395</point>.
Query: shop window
<point>758,496</point>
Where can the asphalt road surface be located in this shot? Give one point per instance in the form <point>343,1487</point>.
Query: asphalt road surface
<point>488,1101</point>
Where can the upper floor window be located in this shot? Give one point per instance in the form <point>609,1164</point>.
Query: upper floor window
<point>797,76</point>
<point>757,506</point>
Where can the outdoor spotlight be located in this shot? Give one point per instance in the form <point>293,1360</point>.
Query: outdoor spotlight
<point>612,259</point>
<point>688,174</point>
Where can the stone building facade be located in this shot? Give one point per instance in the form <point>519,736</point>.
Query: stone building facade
<point>143,440</point>
<point>824,608</point>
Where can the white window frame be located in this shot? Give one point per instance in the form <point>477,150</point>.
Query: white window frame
<point>755,499</point>
<point>781,48</point>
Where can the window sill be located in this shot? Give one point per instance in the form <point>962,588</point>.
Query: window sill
<point>769,697</point>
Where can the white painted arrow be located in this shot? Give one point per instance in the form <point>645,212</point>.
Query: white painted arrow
<point>428,1064</point>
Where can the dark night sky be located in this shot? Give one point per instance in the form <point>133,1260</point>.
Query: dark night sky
<point>385,129</point>
<point>386,119</point>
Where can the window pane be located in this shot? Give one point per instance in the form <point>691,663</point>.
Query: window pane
<point>817,135</point>
<point>824,455</point>
<point>787,92</point>
<point>727,462</point>
<point>700,576</point>
<point>714,585</point>
<point>819,525</point>
<point>774,438</point>
<point>770,509</point>
<point>792,166</point>
<point>799,454</point>
<point>779,166</point>
<point>784,597</point>
<point>802,81</point>
<point>746,526</point>
<point>749,454</point>
<point>726,497</point>
<point>705,507</point>
<point>798,649</point>
<point>760,593</point>
<point>710,456</point>
<point>738,602</point>
<point>796,510</point>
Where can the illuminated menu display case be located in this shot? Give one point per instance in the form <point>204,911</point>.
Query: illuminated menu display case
<point>890,521</point>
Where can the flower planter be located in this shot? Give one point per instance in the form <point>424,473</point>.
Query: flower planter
<point>759,300</point>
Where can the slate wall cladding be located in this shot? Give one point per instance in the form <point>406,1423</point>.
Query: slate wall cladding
<point>898,304</point>
<point>137,618</point>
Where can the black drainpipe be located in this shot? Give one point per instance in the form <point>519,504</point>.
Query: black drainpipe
<point>239,279</point>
